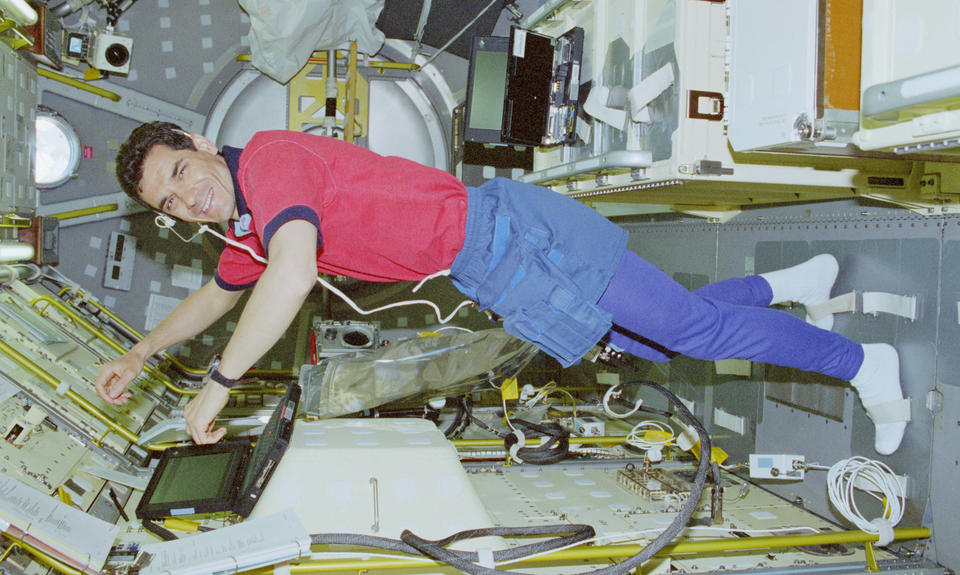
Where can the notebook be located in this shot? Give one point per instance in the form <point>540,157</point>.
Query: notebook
<point>524,89</point>
<point>224,477</point>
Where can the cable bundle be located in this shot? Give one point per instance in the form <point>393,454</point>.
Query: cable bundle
<point>859,472</point>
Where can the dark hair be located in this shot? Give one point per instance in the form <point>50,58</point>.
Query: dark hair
<point>134,150</point>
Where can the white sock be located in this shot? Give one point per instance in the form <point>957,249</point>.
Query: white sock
<point>878,385</point>
<point>808,283</point>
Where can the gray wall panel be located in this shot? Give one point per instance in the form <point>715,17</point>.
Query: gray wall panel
<point>879,249</point>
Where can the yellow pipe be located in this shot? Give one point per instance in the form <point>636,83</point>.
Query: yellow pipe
<point>607,552</point>
<point>180,365</point>
<point>10,221</point>
<point>107,340</point>
<point>80,84</point>
<point>85,212</point>
<point>348,127</point>
<point>93,410</point>
<point>604,440</point>
<point>39,556</point>
<point>121,350</point>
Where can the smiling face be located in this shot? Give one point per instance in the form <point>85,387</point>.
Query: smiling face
<point>191,185</point>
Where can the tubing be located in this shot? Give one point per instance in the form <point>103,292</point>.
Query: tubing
<point>603,552</point>
<point>14,251</point>
<point>18,10</point>
<point>121,350</point>
<point>195,371</point>
<point>93,410</point>
<point>603,440</point>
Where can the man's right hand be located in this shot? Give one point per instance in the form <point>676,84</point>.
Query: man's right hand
<point>113,378</point>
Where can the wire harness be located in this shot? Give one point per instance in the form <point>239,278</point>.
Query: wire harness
<point>847,475</point>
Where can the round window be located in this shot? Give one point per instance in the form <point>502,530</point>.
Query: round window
<point>57,152</point>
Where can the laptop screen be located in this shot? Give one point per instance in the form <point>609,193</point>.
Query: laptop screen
<point>486,88</point>
<point>208,473</point>
<point>228,476</point>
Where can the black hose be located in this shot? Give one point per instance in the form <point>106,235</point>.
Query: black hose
<point>572,534</point>
<point>466,561</point>
<point>553,450</point>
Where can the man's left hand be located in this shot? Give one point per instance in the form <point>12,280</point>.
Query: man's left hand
<point>202,410</point>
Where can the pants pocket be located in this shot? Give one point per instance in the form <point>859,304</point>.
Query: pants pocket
<point>557,320</point>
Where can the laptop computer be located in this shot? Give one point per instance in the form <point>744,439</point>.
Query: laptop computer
<point>224,477</point>
<point>524,89</point>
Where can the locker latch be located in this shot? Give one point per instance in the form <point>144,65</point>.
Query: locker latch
<point>705,105</point>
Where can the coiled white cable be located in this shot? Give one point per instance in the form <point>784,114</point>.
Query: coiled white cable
<point>653,449</point>
<point>859,472</point>
<point>615,392</point>
<point>164,221</point>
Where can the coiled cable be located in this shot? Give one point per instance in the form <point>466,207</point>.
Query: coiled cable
<point>847,475</point>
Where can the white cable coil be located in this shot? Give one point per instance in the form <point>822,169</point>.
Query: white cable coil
<point>653,449</point>
<point>841,480</point>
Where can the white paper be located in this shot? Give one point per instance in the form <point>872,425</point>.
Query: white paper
<point>186,277</point>
<point>67,530</point>
<point>248,545</point>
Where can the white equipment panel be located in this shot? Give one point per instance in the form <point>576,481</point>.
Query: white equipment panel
<point>375,477</point>
<point>773,72</point>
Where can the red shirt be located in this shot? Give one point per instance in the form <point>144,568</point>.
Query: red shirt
<point>378,218</point>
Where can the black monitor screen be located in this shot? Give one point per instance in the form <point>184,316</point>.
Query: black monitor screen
<point>200,476</point>
<point>194,479</point>
<point>486,87</point>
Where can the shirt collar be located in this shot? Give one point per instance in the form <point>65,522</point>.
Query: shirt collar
<point>240,227</point>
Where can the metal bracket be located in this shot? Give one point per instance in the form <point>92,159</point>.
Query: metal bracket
<point>712,101</point>
<point>712,168</point>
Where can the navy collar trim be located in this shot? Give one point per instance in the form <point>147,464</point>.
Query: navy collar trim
<point>240,227</point>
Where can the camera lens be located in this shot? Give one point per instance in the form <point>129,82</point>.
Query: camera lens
<point>117,55</point>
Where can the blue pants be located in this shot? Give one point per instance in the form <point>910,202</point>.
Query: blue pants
<point>726,319</point>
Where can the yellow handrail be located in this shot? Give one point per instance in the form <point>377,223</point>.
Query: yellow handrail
<point>493,442</point>
<point>197,371</point>
<point>85,212</point>
<point>121,350</point>
<point>606,552</point>
<point>38,555</point>
<point>79,84</point>
<point>93,410</point>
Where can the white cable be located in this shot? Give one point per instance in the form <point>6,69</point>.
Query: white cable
<point>635,437</point>
<point>457,35</point>
<point>611,393</point>
<point>166,222</point>
<point>842,481</point>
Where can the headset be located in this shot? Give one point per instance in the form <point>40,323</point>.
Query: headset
<point>163,221</point>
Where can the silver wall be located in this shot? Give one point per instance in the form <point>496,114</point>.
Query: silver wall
<point>787,411</point>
